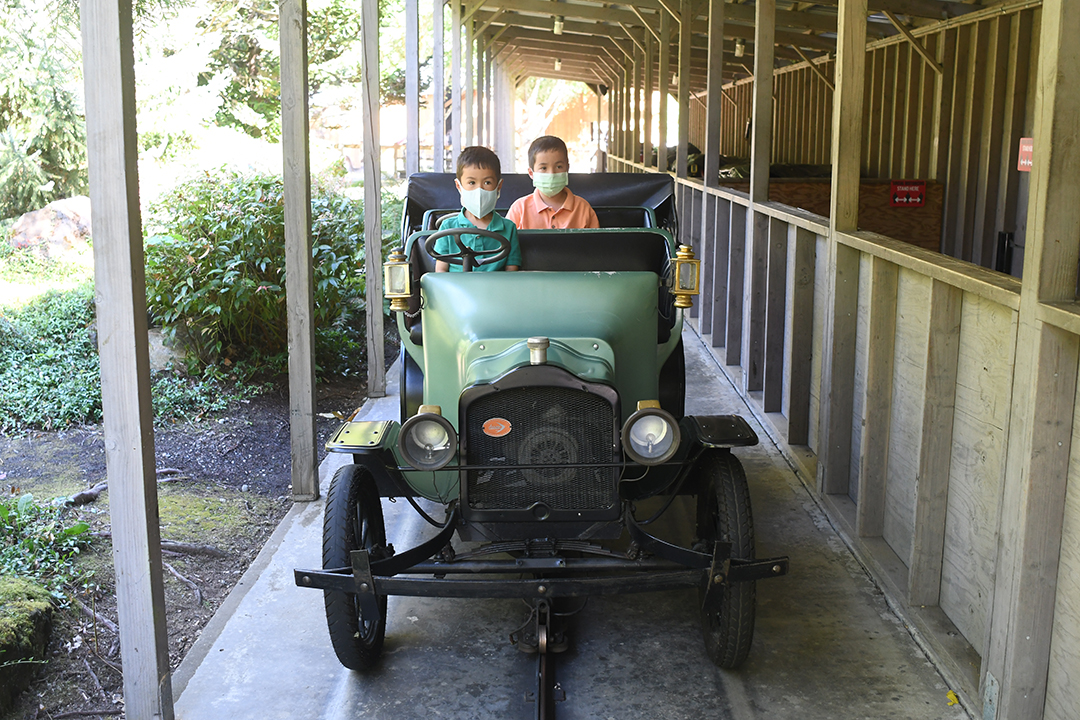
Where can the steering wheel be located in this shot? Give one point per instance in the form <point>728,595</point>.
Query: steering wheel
<point>466,257</point>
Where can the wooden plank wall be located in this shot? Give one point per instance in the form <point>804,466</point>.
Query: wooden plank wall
<point>961,128</point>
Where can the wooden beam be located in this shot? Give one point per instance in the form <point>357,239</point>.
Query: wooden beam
<point>814,68</point>
<point>664,82</point>
<point>727,97</point>
<point>681,153</point>
<point>299,275</point>
<point>736,280</point>
<point>471,10</point>
<point>676,14</point>
<point>412,87</point>
<point>914,43</point>
<point>650,81</point>
<point>470,87</point>
<point>455,82</point>
<point>630,35</point>
<point>842,288</point>
<point>438,88</point>
<point>715,91</point>
<point>761,139</point>
<point>774,319</point>
<point>376,380</point>
<point>120,294</point>
<point>494,18</point>
<point>647,25</point>
<point>935,444</point>
<point>496,36</point>
<point>799,331</point>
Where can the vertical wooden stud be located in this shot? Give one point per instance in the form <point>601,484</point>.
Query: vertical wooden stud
<point>438,89</point>
<point>775,311</point>
<point>455,81</point>
<point>877,413</point>
<point>412,87</point>
<point>799,330</point>
<point>753,350</point>
<point>687,13</point>
<point>736,271</point>
<point>761,138</point>
<point>120,288</point>
<point>935,445</point>
<point>372,203</point>
<point>721,258</point>
<point>663,83</point>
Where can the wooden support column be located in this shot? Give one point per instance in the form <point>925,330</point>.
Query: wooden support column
<point>376,385</point>
<point>685,38</point>
<point>736,270</point>
<point>842,293</point>
<point>412,87</point>
<point>299,276</point>
<point>639,58</point>
<point>1044,387</point>
<point>877,404</point>
<point>470,85</point>
<point>438,89</point>
<point>120,289</point>
<point>753,351</point>
<point>650,82</point>
<point>935,445</point>
<point>455,81</point>
<point>711,229</point>
<point>721,252</point>
<point>799,332</point>
<point>664,84</point>
<point>775,312</point>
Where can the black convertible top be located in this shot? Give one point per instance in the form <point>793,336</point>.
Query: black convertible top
<point>656,191</point>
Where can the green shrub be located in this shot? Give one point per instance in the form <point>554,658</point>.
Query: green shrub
<point>38,542</point>
<point>216,273</point>
<point>49,373</point>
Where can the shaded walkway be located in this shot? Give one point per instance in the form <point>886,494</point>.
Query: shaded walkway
<point>826,644</point>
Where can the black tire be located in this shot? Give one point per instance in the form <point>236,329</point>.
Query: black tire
<point>723,512</point>
<point>353,521</point>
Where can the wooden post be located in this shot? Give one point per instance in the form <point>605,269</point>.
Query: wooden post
<point>470,84</point>
<point>715,85</point>
<point>635,148</point>
<point>736,269</point>
<point>120,288</point>
<point>650,81</point>
<point>877,403</point>
<point>721,252</point>
<point>799,331</point>
<point>299,277</point>
<point>438,90</point>
<point>1044,387</point>
<point>935,445</point>
<point>455,81</point>
<point>761,138</point>
<point>664,84</point>
<point>373,202</point>
<point>412,87</point>
<point>775,311</point>
<point>838,356</point>
<point>685,38</point>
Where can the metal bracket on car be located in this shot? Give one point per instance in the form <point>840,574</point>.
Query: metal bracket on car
<point>365,584</point>
<point>667,551</point>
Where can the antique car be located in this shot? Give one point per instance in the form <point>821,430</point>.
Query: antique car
<point>539,409</point>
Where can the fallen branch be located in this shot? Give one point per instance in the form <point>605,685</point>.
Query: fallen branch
<point>92,614</point>
<point>169,471</point>
<point>194,588</point>
<point>97,683</point>
<point>86,713</point>
<point>178,547</point>
<point>89,495</point>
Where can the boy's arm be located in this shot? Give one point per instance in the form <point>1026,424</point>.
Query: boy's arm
<point>592,221</point>
<point>516,211</point>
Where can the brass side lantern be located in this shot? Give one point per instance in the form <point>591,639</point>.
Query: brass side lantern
<point>397,281</point>
<point>687,271</point>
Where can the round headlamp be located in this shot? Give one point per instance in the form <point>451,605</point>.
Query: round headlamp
<point>650,436</point>
<point>427,441</point>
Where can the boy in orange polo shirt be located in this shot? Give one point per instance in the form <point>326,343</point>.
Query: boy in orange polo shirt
<point>551,205</point>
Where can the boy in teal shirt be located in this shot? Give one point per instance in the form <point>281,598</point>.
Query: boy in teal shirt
<point>479,179</point>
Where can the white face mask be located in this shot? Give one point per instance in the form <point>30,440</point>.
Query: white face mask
<point>550,184</point>
<point>478,201</point>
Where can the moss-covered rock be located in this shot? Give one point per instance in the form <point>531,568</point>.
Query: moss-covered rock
<point>25,623</point>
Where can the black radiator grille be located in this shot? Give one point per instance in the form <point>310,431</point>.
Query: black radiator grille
<point>549,425</point>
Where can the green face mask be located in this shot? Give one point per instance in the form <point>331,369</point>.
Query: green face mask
<point>550,184</point>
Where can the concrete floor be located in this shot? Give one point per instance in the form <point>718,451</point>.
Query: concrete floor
<point>826,644</point>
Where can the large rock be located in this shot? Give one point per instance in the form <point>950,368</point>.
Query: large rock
<point>59,231</point>
<point>25,624</point>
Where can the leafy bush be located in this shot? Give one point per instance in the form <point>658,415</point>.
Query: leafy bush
<point>49,373</point>
<point>37,542</point>
<point>216,272</point>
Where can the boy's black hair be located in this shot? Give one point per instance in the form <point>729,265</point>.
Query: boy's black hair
<point>480,157</point>
<point>544,143</point>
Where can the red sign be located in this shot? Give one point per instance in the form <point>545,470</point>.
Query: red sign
<point>1027,155</point>
<point>908,193</point>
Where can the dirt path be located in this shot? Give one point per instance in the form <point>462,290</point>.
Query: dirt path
<point>227,486</point>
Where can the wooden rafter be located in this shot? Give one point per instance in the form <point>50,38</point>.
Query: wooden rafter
<point>914,43</point>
